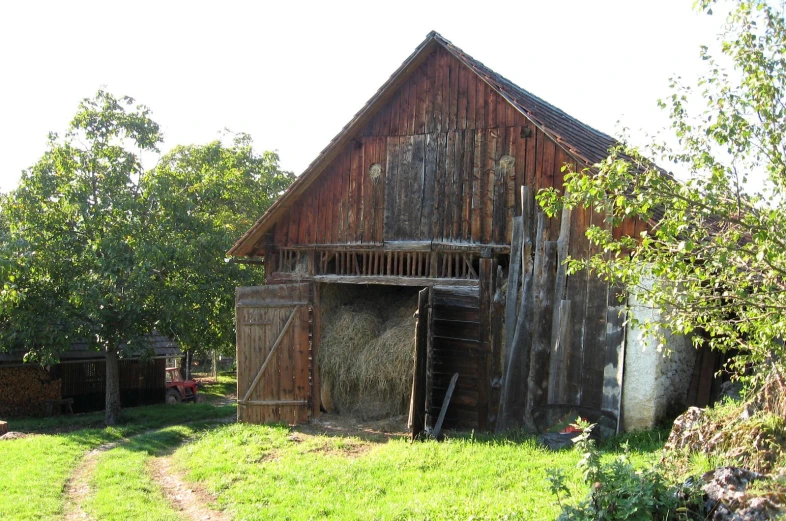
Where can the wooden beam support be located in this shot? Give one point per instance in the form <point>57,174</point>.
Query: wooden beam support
<point>272,402</point>
<point>394,280</point>
<point>417,405</point>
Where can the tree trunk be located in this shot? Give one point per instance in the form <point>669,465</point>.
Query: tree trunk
<point>185,365</point>
<point>112,411</point>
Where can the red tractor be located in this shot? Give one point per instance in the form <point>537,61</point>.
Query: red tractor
<point>179,390</point>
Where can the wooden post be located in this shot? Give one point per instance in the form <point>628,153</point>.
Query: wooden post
<point>488,267</point>
<point>497,341</point>
<point>511,400</point>
<point>316,336</point>
<point>543,290</point>
<point>556,392</point>
<point>514,276</point>
<point>417,404</point>
<point>429,361</point>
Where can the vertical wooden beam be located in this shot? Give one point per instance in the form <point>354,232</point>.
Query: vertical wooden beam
<point>429,422</point>
<point>543,312</point>
<point>488,268</point>
<point>557,364</point>
<point>514,277</point>
<point>497,312</point>
<point>511,409</point>
<point>417,405</point>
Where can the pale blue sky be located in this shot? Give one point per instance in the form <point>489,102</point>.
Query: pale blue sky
<point>291,74</point>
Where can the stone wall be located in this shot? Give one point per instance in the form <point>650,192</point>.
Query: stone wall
<point>656,377</point>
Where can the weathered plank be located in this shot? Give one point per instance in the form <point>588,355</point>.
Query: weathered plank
<point>477,187</point>
<point>417,407</point>
<point>514,276</point>
<point>594,330</point>
<point>445,403</point>
<point>557,363</point>
<point>391,192</point>
<point>472,88</point>
<point>576,292</point>
<point>488,268</point>
<point>513,396</point>
<point>613,361</point>
<point>451,197</point>
<point>497,354</point>
<point>454,67</point>
<point>499,211</point>
<point>543,311</point>
<point>429,386</point>
<point>488,183</point>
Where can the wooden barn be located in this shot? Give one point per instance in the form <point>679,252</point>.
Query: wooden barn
<point>79,377</point>
<point>431,185</point>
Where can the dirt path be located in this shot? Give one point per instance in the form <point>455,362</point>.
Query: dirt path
<point>77,488</point>
<point>78,485</point>
<point>192,502</point>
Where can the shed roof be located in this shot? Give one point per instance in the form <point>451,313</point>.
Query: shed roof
<point>162,346</point>
<point>584,143</point>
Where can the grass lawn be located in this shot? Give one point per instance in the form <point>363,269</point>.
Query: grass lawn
<point>277,472</point>
<point>39,465</point>
<point>272,472</point>
<point>224,386</point>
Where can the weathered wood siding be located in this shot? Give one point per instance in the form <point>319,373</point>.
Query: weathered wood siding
<point>451,154</point>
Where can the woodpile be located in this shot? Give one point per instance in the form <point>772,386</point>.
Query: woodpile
<point>25,390</point>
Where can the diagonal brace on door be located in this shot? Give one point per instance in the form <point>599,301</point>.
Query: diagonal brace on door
<point>270,354</point>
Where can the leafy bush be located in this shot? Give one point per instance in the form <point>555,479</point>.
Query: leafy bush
<point>618,491</point>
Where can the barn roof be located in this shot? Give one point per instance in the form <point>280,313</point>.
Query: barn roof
<point>584,143</point>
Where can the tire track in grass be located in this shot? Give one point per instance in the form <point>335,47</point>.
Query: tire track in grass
<point>78,489</point>
<point>190,500</point>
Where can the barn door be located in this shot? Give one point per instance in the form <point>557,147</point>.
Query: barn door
<point>453,344</point>
<point>273,353</point>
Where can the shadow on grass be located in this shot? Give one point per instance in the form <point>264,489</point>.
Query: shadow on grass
<point>165,441</point>
<point>133,419</point>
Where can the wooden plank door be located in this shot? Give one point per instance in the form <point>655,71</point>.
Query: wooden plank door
<point>273,353</point>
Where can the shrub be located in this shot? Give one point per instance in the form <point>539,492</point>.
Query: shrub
<point>618,492</point>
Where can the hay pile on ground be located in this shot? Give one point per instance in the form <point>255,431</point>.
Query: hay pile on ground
<point>366,350</point>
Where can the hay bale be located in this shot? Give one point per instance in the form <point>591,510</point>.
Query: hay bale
<point>366,351</point>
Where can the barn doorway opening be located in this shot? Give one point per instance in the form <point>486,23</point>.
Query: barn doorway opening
<point>366,347</point>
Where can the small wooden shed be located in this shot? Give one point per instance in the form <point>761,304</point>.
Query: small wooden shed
<point>423,187</point>
<point>80,375</point>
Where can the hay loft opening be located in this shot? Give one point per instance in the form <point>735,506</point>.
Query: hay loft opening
<point>366,349</point>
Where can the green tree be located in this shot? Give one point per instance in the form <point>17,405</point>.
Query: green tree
<point>85,266</point>
<point>715,253</point>
<point>94,248</point>
<point>205,197</point>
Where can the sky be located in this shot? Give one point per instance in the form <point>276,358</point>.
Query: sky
<point>292,74</point>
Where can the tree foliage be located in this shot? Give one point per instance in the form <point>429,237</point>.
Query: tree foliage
<point>714,256</point>
<point>94,248</point>
<point>205,197</point>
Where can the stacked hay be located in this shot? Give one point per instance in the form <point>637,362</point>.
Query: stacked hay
<point>366,350</point>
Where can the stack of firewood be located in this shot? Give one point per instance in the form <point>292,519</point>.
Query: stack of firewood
<point>24,390</point>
